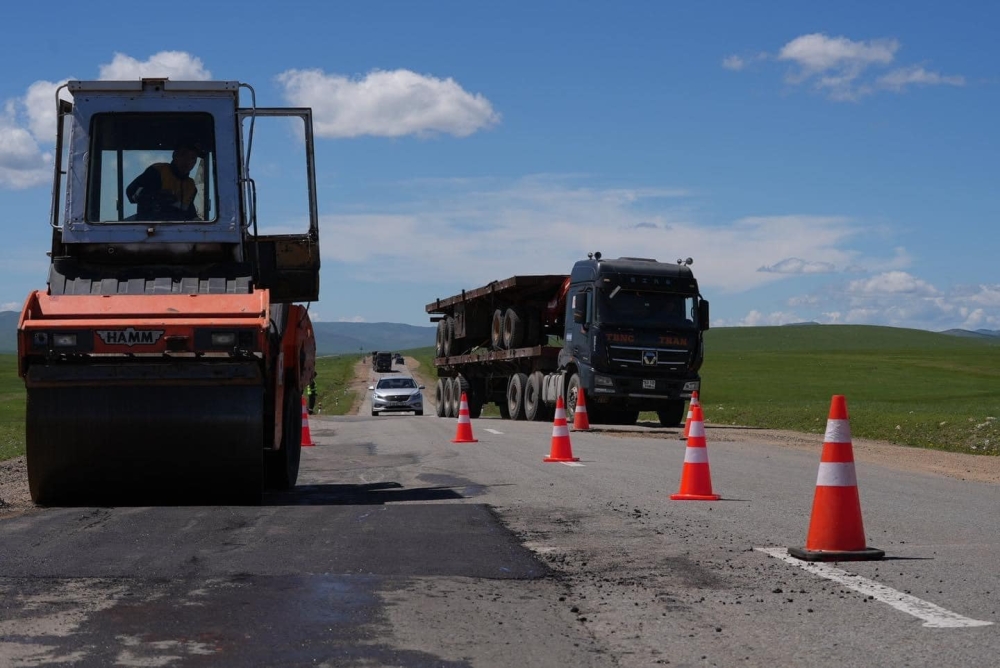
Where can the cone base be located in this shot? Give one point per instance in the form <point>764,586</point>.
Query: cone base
<point>695,497</point>
<point>867,554</point>
<point>561,459</point>
<point>465,440</point>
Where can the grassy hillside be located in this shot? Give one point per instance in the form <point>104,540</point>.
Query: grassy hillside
<point>906,386</point>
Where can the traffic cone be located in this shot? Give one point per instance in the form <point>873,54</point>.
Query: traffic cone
<point>580,420</point>
<point>696,479</point>
<point>687,423</point>
<point>306,436</point>
<point>562,449</point>
<point>464,432</point>
<point>836,532</point>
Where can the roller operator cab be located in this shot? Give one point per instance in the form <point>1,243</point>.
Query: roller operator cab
<point>169,352</point>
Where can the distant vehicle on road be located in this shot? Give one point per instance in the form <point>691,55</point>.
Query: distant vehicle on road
<point>397,395</point>
<point>399,359</point>
<point>383,361</point>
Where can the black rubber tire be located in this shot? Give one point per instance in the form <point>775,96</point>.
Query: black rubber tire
<point>439,409</point>
<point>439,338</point>
<point>374,413</point>
<point>572,392</point>
<point>281,467</point>
<point>418,413</point>
<point>504,411</point>
<point>496,330</point>
<point>456,395</point>
<point>449,338</point>
<point>475,406</point>
<point>534,407</point>
<point>446,397</point>
<point>515,395</point>
<point>673,415</point>
<point>513,328</point>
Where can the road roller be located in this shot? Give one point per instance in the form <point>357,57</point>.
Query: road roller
<point>165,361</point>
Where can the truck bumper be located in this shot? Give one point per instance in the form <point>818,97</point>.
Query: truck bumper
<point>638,393</point>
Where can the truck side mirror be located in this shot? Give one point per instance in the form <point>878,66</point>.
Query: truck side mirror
<point>703,315</point>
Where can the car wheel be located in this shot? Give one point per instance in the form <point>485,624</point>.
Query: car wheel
<point>418,413</point>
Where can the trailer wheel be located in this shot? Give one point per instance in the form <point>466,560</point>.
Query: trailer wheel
<point>534,407</point>
<point>439,338</point>
<point>439,409</point>
<point>281,466</point>
<point>513,328</point>
<point>496,330</point>
<point>672,415</point>
<point>449,336</point>
<point>572,392</point>
<point>504,410</point>
<point>446,397</point>
<point>515,395</point>
<point>456,395</point>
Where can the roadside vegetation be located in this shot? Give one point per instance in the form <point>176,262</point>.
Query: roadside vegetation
<point>903,386</point>
<point>334,375</point>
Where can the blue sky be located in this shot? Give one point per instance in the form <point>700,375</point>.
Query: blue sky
<point>834,164</point>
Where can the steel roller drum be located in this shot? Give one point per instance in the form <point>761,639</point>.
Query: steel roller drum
<point>145,433</point>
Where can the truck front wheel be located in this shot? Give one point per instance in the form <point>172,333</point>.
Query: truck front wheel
<point>572,392</point>
<point>672,415</point>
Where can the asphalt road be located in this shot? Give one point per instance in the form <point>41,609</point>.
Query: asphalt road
<point>400,548</point>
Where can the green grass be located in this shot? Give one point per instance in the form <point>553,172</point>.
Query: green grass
<point>333,378</point>
<point>11,409</point>
<point>905,386</point>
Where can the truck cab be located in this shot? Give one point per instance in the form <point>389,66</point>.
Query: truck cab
<point>633,336</point>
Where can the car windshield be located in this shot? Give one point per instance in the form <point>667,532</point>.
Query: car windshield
<point>396,384</point>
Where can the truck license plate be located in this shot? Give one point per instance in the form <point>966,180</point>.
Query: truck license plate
<point>649,384</point>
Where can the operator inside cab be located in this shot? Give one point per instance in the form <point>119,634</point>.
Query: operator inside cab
<point>165,191</point>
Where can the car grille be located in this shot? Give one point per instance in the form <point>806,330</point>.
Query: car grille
<point>397,397</point>
<point>638,357</point>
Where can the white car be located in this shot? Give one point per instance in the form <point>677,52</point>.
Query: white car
<point>397,395</point>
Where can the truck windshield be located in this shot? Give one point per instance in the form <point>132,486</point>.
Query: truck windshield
<point>633,307</point>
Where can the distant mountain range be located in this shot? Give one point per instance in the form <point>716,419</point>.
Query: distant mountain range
<point>332,338</point>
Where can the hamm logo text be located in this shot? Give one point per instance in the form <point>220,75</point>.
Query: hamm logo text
<point>130,336</point>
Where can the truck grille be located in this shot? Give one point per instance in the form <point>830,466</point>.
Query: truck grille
<point>639,357</point>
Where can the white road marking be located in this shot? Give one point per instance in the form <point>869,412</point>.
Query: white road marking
<point>493,431</point>
<point>933,615</point>
<point>571,463</point>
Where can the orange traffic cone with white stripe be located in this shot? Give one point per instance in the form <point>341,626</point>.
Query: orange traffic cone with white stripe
<point>562,449</point>
<point>836,532</point>
<point>306,436</point>
<point>696,478</point>
<point>687,423</point>
<point>463,434</point>
<point>581,421</point>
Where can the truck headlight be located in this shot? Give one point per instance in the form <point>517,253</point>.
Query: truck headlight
<point>603,380</point>
<point>691,386</point>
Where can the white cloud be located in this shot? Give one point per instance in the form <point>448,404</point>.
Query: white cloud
<point>448,232</point>
<point>177,65</point>
<point>898,80</point>
<point>11,306</point>
<point>353,318</point>
<point>794,265</point>
<point>734,63</point>
<point>844,69</point>
<point>892,283</point>
<point>28,123</point>
<point>757,319</point>
<point>387,104</point>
